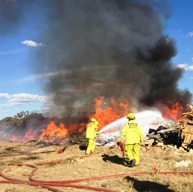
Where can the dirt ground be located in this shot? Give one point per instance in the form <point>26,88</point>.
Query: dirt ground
<point>37,166</point>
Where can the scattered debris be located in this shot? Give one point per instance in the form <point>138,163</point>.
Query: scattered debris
<point>183,163</point>
<point>162,136</point>
<point>179,135</point>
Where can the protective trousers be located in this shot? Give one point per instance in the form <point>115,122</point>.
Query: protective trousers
<point>132,151</point>
<point>91,146</point>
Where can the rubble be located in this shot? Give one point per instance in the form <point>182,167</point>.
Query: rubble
<point>186,126</point>
<point>179,135</point>
<point>163,135</point>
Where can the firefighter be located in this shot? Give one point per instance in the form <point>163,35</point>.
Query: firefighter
<point>132,137</point>
<point>91,133</point>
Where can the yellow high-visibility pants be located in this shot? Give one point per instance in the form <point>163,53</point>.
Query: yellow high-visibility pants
<point>132,151</point>
<point>91,146</point>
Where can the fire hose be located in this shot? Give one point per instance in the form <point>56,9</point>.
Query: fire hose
<point>48,184</point>
<point>71,183</point>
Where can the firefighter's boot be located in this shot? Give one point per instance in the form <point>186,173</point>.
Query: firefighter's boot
<point>132,163</point>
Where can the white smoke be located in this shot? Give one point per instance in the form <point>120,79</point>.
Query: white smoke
<point>148,119</point>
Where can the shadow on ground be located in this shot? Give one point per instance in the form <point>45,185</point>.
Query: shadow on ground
<point>147,186</point>
<point>82,147</point>
<point>114,159</point>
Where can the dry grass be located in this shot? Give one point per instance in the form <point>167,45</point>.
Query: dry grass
<point>73,164</point>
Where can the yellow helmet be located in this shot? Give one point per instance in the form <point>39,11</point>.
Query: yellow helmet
<point>93,120</point>
<point>131,116</point>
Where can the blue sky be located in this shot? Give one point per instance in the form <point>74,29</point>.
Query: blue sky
<point>179,27</point>
<point>20,89</point>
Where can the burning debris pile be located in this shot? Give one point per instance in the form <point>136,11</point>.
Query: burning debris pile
<point>180,135</point>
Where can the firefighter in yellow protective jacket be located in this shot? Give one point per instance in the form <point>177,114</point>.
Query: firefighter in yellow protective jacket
<point>91,133</point>
<point>132,136</point>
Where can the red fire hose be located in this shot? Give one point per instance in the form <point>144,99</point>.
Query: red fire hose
<point>48,184</point>
<point>71,183</point>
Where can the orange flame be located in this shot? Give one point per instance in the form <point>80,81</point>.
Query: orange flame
<point>29,135</point>
<point>173,113</point>
<point>104,113</point>
<point>53,131</point>
<point>107,113</point>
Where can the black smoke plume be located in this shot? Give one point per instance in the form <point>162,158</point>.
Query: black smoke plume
<point>110,48</point>
<point>115,49</point>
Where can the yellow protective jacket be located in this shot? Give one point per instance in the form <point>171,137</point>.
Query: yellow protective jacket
<point>91,130</point>
<point>131,133</point>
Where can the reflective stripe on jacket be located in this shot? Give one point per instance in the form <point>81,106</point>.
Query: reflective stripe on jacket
<point>131,133</point>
